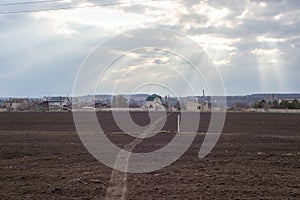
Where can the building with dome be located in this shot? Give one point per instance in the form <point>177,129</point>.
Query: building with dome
<point>154,102</point>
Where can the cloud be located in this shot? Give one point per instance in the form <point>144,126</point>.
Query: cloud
<point>221,62</point>
<point>263,52</point>
<point>269,39</point>
<point>241,37</point>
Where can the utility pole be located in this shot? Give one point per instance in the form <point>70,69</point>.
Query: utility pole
<point>167,100</point>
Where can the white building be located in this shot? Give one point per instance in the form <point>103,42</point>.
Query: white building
<point>197,106</point>
<point>154,102</point>
<point>58,103</point>
<point>17,104</point>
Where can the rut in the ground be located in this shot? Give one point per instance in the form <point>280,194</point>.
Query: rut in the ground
<point>118,182</point>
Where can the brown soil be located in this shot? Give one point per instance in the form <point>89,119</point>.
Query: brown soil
<point>256,157</point>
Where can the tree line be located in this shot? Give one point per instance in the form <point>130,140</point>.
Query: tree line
<point>284,104</point>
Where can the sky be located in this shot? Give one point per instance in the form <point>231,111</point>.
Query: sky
<point>253,45</point>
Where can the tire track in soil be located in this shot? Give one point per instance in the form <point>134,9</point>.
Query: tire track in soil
<point>118,182</point>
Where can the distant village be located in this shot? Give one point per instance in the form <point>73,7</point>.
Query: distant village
<point>255,102</point>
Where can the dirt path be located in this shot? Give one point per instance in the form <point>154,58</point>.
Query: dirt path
<point>118,182</point>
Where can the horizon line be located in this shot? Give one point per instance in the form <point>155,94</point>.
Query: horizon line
<point>249,94</point>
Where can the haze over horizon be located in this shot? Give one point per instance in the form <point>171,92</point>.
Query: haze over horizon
<point>161,94</point>
<point>253,44</point>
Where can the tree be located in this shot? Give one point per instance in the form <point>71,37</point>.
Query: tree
<point>294,104</point>
<point>275,104</point>
<point>177,105</point>
<point>260,104</point>
<point>240,106</point>
<point>284,104</point>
